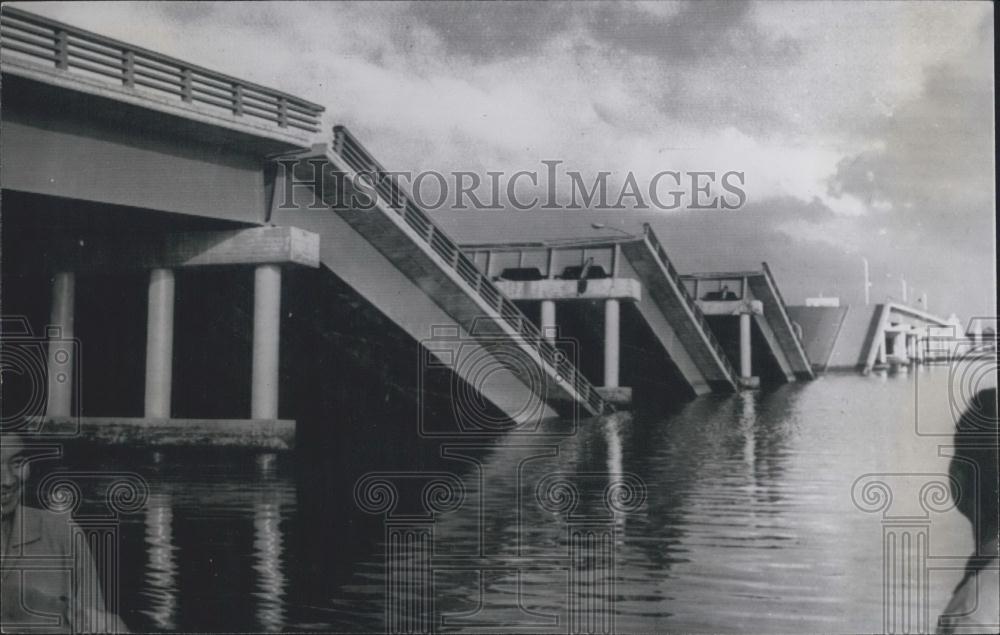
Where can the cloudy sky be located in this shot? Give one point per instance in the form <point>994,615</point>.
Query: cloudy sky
<point>864,129</point>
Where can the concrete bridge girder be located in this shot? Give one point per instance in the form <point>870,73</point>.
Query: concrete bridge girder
<point>568,290</point>
<point>758,296</point>
<point>611,291</point>
<point>637,277</point>
<point>750,308</point>
<point>403,275</point>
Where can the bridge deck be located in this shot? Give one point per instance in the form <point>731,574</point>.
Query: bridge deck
<point>821,331</point>
<point>400,261</point>
<point>640,263</point>
<point>774,322</point>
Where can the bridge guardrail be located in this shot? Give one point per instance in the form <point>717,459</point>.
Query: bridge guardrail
<point>82,53</point>
<point>661,254</point>
<point>784,308</point>
<point>361,161</point>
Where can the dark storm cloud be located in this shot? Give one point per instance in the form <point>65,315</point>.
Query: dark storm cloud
<point>934,166</point>
<point>707,29</point>
<point>186,12</point>
<point>485,30</point>
<point>713,60</point>
<point>717,39</point>
<point>698,31</point>
<point>265,18</point>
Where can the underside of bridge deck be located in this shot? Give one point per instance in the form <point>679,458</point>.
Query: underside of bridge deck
<point>345,370</point>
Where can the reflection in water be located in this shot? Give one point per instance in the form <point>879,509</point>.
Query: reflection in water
<point>268,551</point>
<point>161,569</point>
<point>748,525</point>
<point>613,439</point>
<point>747,419</point>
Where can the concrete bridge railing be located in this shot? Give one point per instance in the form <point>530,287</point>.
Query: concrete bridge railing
<point>358,158</point>
<point>661,255</point>
<point>28,38</point>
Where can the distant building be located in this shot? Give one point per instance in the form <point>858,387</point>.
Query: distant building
<point>821,301</point>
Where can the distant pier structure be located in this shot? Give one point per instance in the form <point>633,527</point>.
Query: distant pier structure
<point>167,292</point>
<point>884,335</point>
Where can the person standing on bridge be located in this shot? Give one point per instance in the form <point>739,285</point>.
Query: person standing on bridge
<point>975,604</point>
<point>39,594</point>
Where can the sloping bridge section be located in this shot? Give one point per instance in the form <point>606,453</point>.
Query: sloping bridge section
<point>755,293</point>
<point>375,238</point>
<point>821,331</point>
<point>635,270</point>
<point>679,308</point>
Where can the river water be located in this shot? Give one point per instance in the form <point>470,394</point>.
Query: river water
<point>741,513</point>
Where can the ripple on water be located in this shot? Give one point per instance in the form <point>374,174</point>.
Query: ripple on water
<point>747,525</point>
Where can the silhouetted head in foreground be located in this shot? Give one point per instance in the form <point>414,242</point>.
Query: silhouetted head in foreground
<point>975,604</point>
<point>974,469</point>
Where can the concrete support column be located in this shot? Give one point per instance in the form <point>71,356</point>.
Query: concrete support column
<point>881,350</point>
<point>612,343</point>
<point>976,333</point>
<point>899,345</point>
<point>918,343</point>
<point>746,361</point>
<point>548,320</point>
<point>159,343</point>
<point>60,354</point>
<point>266,325</point>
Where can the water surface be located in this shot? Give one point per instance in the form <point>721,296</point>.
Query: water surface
<point>747,524</point>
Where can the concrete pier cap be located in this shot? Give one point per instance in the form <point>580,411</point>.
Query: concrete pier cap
<point>628,289</point>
